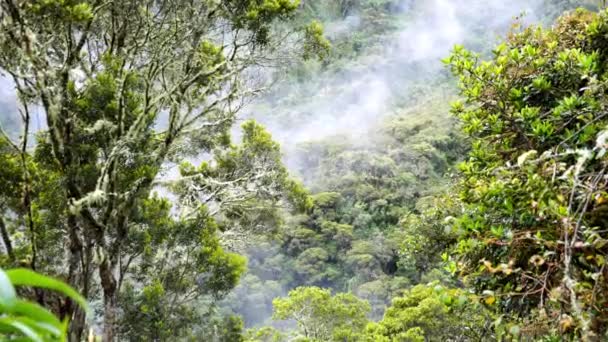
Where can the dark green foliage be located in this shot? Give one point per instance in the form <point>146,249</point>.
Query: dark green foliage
<point>351,238</point>
<point>129,89</point>
<point>380,223</point>
<point>533,188</point>
<point>511,248</point>
<point>181,261</point>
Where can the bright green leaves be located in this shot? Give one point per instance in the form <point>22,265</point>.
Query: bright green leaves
<point>76,11</point>
<point>269,8</point>
<point>211,64</point>
<point>81,12</point>
<point>25,277</point>
<point>258,15</point>
<point>529,114</point>
<point>257,139</point>
<point>546,74</point>
<point>588,62</point>
<point>264,334</point>
<point>431,312</point>
<point>533,112</point>
<point>542,129</point>
<point>25,319</point>
<point>315,43</point>
<point>299,195</point>
<point>209,53</point>
<point>541,83</point>
<point>321,316</point>
<point>570,104</point>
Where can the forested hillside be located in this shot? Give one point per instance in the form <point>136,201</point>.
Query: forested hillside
<point>303,170</point>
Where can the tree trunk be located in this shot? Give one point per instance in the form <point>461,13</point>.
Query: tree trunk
<point>77,325</point>
<point>6,239</point>
<point>108,283</point>
<point>109,320</point>
<point>77,279</point>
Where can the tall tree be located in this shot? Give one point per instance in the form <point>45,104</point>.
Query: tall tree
<point>321,316</point>
<point>127,88</point>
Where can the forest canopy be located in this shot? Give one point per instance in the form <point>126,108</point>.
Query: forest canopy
<point>284,170</point>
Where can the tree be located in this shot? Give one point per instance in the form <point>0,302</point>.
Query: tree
<point>321,316</point>
<point>532,232</point>
<point>264,334</point>
<point>432,313</point>
<point>171,265</point>
<point>424,238</point>
<point>128,88</point>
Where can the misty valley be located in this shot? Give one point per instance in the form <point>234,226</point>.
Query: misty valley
<point>303,170</point>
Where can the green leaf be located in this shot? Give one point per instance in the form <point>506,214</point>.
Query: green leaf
<point>7,291</point>
<point>39,314</point>
<point>46,330</point>
<point>21,327</point>
<point>25,277</point>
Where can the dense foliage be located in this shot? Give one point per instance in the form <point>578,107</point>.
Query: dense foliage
<point>410,224</point>
<point>533,228</point>
<point>529,106</point>
<point>321,316</point>
<point>128,90</point>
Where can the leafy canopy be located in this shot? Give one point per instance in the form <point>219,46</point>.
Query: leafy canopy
<point>532,233</point>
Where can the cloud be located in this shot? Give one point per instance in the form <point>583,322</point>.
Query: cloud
<point>9,110</point>
<point>351,100</point>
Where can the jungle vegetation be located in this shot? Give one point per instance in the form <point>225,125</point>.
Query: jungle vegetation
<point>284,170</point>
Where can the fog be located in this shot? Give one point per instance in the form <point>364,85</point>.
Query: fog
<point>9,116</point>
<point>350,100</point>
<point>10,120</point>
